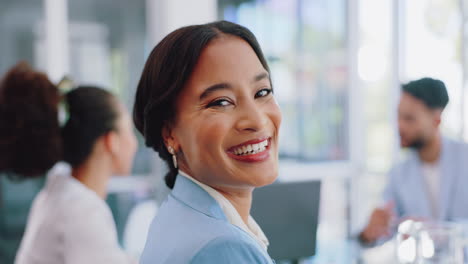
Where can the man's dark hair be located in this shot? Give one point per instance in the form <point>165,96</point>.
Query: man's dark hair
<point>431,91</point>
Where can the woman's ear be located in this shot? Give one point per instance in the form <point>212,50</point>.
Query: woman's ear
<point>112,142</point>
<point>168,136</point>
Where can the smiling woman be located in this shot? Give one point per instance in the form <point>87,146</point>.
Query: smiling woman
<point>205,104</point>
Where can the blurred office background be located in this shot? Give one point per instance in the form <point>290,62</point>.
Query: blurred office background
<point>336,67</point>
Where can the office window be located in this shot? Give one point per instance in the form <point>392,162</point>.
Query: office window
<point>376,72</point>
<point>18,28</point>
<point>107,48</point>
<point>306,46</point>
<point>375,69</point>
<point>432,34</point>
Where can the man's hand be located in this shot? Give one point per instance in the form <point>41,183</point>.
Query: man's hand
<point>379,224</point>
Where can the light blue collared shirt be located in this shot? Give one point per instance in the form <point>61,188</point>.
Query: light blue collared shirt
<point>191,227</point>
<point>233,217</point>
<point>408,188</point>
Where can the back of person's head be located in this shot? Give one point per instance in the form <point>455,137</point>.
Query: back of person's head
<point>92,113</point>
<point>31,137</point>
<point>430,91</point>
<point>166,72</point>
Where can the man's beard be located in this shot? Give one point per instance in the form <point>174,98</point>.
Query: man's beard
<point>417,144</point>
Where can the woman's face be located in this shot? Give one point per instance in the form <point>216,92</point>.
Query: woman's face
<point>227,121</point>
<point>126,142</point>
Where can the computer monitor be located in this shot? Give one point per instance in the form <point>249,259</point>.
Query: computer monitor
<point>287,212</point>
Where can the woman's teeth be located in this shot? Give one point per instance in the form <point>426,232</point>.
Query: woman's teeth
<point>251,148</point>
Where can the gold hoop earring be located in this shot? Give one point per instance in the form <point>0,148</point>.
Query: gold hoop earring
<point>174,158</point>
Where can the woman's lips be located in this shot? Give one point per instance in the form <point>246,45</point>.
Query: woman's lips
<point>256,150</point>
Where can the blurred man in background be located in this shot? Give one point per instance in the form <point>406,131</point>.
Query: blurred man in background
<point>430,183</point>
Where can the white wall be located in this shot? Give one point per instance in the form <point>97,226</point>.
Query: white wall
<point>56,39</point>
<point>164,16</point>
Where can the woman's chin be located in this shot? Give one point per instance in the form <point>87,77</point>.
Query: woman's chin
<point>264,179</point>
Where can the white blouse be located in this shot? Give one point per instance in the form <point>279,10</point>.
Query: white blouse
<point>69,224</point>
<point>233,217</point>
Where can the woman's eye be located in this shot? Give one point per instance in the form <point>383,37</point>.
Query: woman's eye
<point>263,93</point>
<point>219,102</point>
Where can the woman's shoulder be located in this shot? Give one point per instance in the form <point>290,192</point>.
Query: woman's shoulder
<point>192,243</point>
<point>63,195</point>
<point>230,248</point>
<point>69,199</point>
<point>174,220</point>
<point>180,234</point>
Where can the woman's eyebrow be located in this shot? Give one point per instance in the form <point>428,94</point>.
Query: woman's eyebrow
<point>261,76</point>
<point>226,86</point>
<point>213,88</point>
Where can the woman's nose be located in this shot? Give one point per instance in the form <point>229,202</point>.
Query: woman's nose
<point>252,117</point>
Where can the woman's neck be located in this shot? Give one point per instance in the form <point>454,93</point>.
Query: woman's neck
<point>95,175</point>
<point>241,200</point>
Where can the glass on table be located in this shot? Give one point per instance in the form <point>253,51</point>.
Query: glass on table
<point>431,243</point>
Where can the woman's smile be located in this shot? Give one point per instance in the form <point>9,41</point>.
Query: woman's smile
<point>255,150</point>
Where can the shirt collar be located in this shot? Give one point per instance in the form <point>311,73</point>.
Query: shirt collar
<point>232,216</point>
<point>191,194</point>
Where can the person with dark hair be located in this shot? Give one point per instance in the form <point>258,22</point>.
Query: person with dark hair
<point>430,184</point>
<point>205,103</point>
<point>69,221</point>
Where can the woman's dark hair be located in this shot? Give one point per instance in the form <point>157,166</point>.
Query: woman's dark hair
<point>31,139</point>
<point>166,72</point>
<point>92,112</point>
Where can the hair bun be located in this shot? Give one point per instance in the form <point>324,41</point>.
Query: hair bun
<point>30,140</point>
